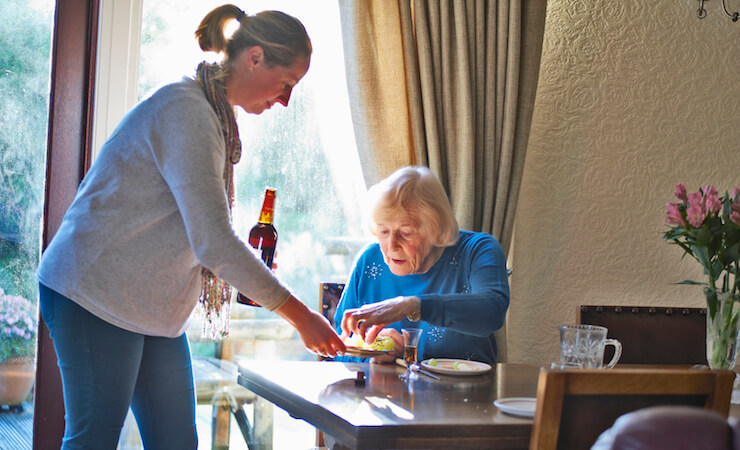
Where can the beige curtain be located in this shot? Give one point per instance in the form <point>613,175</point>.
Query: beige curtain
<point>449,84</point>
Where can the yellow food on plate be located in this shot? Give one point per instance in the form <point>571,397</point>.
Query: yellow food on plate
<point>432,362</point>
<point>460,365</point>
<point>385,343</point>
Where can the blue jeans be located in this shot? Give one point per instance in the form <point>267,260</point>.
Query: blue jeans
<point>106,369</point>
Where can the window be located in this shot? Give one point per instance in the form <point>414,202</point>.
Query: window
<point>25,37</point>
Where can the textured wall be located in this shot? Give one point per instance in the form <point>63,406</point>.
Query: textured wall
<point>634,97</point>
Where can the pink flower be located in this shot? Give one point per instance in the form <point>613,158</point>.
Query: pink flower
<point>735,213</point>
<point>735,206</point>
<point>681,192</point>
<point>674,216</point>
<point>710,200</point>
<point>695,213</point>
<point>735,217</point>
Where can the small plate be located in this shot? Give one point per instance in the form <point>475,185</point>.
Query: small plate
<point>517,406</point>
<point>464,367</point>
<point>364,352</point>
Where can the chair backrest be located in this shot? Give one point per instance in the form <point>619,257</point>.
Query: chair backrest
<point>575,406</point>
<point>651,335</point>
<point>329,295</point>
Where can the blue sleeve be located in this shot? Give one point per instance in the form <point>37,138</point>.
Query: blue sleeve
<point>480,310</point>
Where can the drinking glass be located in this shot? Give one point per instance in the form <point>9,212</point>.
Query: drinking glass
<point>411,338</point>
<point>583,345</point>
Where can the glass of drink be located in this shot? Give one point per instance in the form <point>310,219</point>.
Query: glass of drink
<point>411,338</point>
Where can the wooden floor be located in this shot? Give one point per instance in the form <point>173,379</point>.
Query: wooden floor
<point>16,428</point>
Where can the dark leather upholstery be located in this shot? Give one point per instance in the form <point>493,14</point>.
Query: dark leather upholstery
<point>674,428</point>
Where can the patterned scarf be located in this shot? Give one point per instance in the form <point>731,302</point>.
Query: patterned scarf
<point>215,298</point>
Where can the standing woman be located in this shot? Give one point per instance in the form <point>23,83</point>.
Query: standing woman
<point>148,236</point>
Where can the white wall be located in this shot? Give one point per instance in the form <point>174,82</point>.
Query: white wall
<point>634,97</point>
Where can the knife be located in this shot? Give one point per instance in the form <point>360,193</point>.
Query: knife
<point>416,368</point>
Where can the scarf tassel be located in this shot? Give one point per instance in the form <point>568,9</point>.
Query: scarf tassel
<point>214,311</point>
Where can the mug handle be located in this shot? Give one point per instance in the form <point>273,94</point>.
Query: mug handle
<point>617,352</point>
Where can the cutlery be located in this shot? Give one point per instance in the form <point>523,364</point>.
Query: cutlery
<point>416,368</point>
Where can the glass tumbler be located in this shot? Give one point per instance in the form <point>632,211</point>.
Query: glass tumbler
<point>411,337</point>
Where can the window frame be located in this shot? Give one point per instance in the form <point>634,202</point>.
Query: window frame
<point>72,89</point>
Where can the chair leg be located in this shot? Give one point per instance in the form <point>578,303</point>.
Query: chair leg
<point>244,427</point>
<point>258,435</point>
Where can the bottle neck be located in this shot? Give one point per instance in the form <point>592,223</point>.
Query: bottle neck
<point>268,207</point>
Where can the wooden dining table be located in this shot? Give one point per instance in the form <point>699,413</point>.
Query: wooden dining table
<point>383,411</point>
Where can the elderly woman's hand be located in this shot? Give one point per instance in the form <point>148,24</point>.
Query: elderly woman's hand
<point>397,352</point>
<point>368,320</point>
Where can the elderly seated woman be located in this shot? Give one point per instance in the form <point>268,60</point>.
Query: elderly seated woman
<point>424,272</point>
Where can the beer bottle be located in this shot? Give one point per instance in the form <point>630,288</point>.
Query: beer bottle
<point>263,237</point>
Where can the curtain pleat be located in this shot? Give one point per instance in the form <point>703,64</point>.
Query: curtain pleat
<point>457,97</point>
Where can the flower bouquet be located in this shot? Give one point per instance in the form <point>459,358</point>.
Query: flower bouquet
<point>707,227</point>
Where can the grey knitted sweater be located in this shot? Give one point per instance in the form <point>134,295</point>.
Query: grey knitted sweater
<point>149,214</point>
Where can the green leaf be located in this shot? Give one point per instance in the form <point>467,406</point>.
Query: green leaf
<point>703,236</point>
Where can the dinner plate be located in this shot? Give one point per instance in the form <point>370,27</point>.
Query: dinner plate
<point>364,352</point>
<point>517,406</point>
<point>456,367</point>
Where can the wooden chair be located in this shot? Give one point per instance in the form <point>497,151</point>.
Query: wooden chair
<point>575,406</point>
<point>651,335</point>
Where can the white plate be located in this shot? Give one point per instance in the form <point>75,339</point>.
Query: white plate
<point>517,406</point>
<point>464,367</point>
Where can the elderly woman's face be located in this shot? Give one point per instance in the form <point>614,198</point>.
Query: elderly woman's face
<point>405,249</point>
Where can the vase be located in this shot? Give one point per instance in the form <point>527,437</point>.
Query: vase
<point>722,328</point>
<point>16,380</point>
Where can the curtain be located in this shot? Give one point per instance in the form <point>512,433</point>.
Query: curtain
<point>449,84</point>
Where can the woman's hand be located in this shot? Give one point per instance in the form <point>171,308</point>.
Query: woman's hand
<point>397,352</point>
<point>316,333</point>
<point>369,320</point>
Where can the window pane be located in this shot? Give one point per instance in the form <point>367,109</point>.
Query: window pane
<point>25,37</point>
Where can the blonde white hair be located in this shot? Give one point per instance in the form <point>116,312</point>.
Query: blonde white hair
<point>414,193</point>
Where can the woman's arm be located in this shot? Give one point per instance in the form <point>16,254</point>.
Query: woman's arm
<point>315,331</point>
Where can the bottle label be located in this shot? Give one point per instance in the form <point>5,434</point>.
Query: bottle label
<point>268,207</point>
